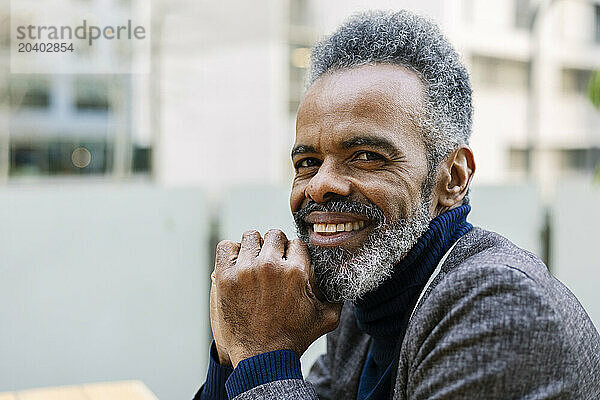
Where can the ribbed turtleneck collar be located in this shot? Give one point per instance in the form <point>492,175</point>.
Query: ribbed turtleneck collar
<point>381,312</point>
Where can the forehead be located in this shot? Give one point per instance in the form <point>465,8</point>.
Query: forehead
<point>382,97</point>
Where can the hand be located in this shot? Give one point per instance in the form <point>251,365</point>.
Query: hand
<point>263,297</point>
<point>215,324</point>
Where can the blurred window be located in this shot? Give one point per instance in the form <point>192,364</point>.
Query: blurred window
<point>92,94</point>
<point>142,157</point>
<point>59,157</point>
<point>523,14</point>
<point>580,160</point>
<point>491,72</point>
<point>29,92</point>
<point>53,148</point>
<point>518,159</point>
<point>299,60</point>
<point>25,159</point>
<point>597,13</point>
<point>575,81</point>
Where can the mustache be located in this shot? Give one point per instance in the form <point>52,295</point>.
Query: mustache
<point>344,205</point>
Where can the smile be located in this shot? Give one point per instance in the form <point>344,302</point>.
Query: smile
<point>330,229</point>
<point>339,227</point>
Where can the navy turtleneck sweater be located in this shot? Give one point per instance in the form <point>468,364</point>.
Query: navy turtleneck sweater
<point>383,314</point>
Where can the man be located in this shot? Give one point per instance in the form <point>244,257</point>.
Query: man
<point>433,308</point>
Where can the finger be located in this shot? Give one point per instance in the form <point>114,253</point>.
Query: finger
<point>274,244</point>
<point>250,245</point>
<point>226,256</point>
<point>297,254</point>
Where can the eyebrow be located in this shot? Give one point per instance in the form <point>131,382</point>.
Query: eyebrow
<point>379,142</point>
<point>358,141</point>
<point>302,148</point>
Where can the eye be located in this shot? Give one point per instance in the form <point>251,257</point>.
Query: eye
<point>368,156</point>
<point>308,162</point>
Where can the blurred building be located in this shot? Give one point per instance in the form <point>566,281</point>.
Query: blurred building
<point>218,107</point>
<point>62,125</point>
<point>530,63</point>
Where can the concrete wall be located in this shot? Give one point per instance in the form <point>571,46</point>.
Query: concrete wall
<point>111,282</point>
<point>575,241</point>
<point>104,283</point>
<point>513,211</point>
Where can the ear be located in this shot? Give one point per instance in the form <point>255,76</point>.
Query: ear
<point>454,177</point>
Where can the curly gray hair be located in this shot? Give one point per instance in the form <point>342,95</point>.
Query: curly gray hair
<point>418,44</point>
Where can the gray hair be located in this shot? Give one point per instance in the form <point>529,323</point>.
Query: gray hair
<point>416,43</point>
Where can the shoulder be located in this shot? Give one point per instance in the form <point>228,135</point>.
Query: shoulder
<point>490,277</point>
<point>495,310</point>
<point>499,304</point>
<point>484,292</point>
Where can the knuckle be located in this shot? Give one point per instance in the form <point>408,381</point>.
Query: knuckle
<point>296,272</point>
<point>227,252</point>
<point>275,232</point>
<point>250,234</point>
<point>226,282</point>
<point>225,245</point>
<point>246,270</point>
<point>267,264</point>
<point>296,266</point>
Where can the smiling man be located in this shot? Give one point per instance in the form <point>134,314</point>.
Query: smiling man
<point>418,303</point>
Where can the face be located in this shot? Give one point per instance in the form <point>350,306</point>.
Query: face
<point>360,162</point>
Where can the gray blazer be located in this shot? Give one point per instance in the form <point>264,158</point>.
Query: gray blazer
<point>493,324</point>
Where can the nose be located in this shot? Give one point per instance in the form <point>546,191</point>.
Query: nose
<point>326,183</point>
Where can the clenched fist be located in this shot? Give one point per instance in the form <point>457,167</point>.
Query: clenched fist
<point>262,298</point>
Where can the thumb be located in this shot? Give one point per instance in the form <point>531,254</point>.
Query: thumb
<point>297,251</point>
<point>331,315</point>
<point>312,281</point>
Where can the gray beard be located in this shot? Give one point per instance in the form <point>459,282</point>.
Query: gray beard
<point>345,275</point>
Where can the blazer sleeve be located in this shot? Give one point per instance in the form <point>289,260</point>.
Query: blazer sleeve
<point>287,389</point>
<point>488,332</point>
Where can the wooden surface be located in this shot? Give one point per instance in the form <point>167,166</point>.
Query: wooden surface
<point>127,390</point>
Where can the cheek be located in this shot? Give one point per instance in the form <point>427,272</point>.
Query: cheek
<point>390,202</point>
<point>396,198</point>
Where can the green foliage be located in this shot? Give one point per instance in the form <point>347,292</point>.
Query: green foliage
<point>594,89</point>
<point>593,92</point>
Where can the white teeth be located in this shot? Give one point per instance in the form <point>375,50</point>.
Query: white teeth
<point>341,227</point>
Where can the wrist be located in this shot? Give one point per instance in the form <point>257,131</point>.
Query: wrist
<point>239,352</point>
<point>263,368</point>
